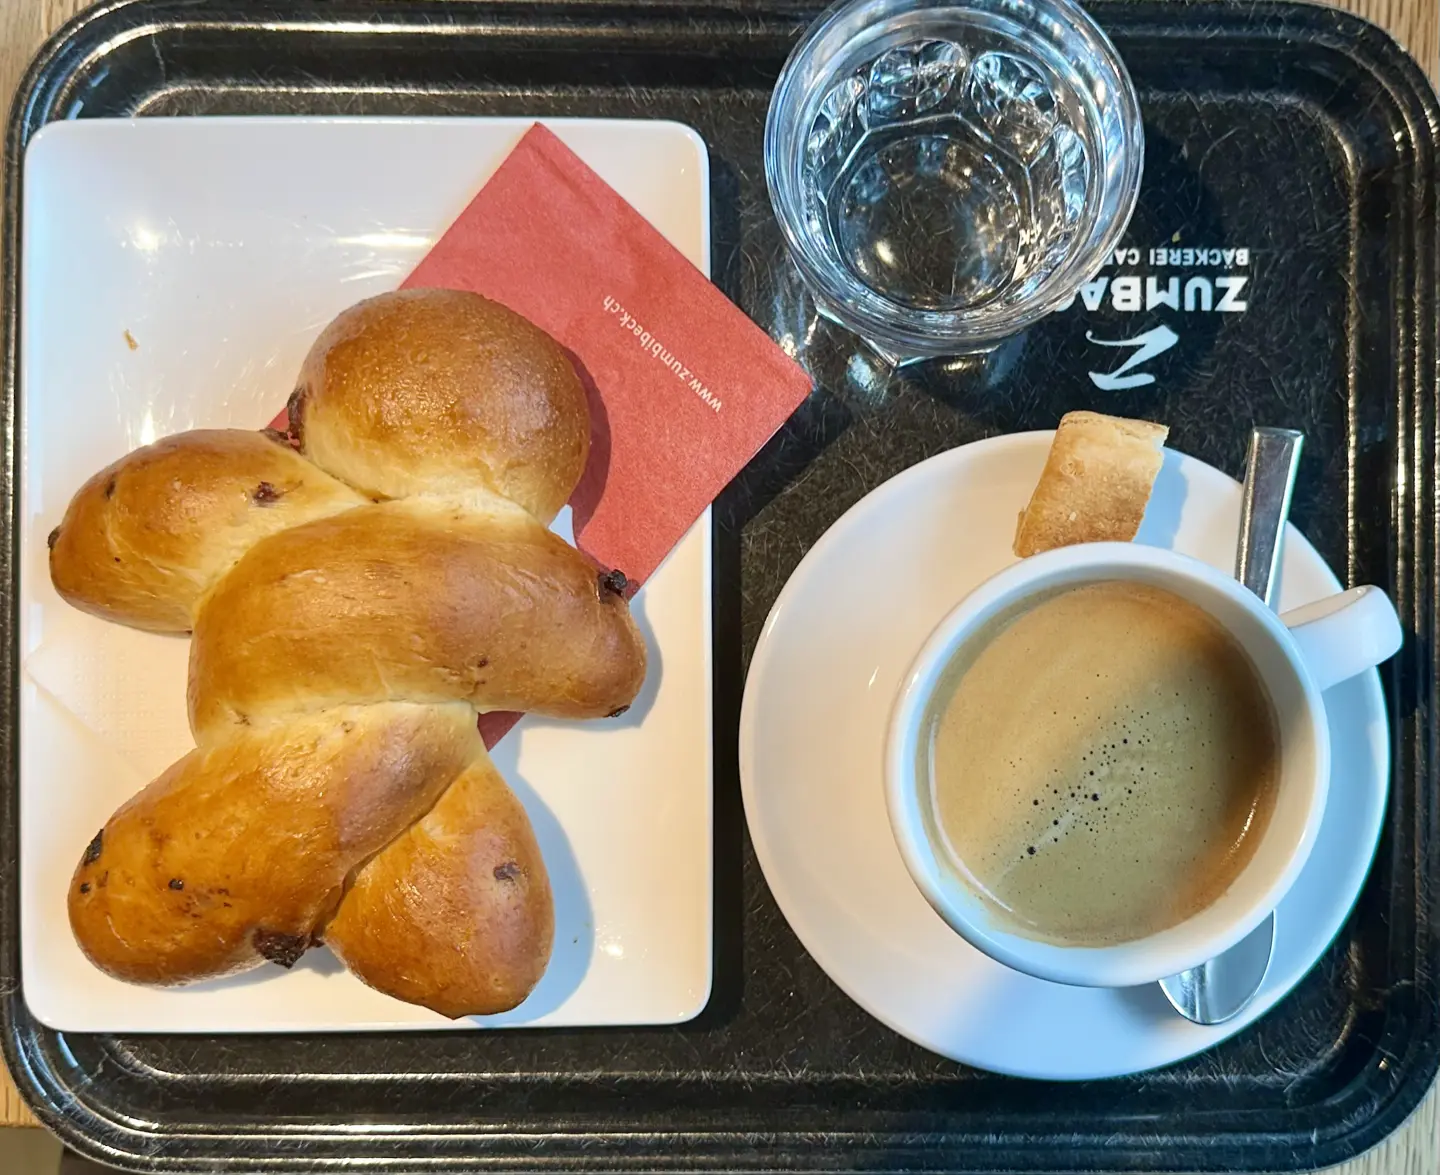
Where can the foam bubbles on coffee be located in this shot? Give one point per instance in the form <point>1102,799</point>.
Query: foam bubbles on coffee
<point>1103,763</point>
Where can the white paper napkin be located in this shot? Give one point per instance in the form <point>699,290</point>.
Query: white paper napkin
<point>126,688</point>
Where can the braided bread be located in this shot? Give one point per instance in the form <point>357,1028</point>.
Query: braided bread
<point>358,590</point>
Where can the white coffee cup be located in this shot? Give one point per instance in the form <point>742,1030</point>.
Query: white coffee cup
<point>1297,656</point>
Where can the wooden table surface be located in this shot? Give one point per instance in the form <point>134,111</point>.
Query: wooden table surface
<point>1412,1150</point>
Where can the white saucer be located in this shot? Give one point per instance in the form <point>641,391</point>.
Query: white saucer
<point>828,666</point>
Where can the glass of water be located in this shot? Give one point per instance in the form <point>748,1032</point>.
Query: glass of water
<point>946,172</point>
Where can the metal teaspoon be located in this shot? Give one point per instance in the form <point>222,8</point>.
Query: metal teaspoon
<point>1219,990</point>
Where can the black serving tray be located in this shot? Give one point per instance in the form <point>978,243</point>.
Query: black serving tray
<point>1297,133</point>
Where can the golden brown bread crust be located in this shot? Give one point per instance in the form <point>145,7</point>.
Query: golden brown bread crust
<point>308,600</point>
<point>238,853</point>
<point>1096,483</point>
<point>442,391</point>
<point>456,915</point>
<point>146,537</point>
<point>412,600</point>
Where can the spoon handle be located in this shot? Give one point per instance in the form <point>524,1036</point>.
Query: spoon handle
<point>1269,482</point>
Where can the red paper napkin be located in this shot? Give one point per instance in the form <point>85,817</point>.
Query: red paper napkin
<point>684,387</point>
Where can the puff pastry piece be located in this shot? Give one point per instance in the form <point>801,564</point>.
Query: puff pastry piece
<point>1096,483</point>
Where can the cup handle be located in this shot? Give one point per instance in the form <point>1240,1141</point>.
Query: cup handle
<point>1345,634</point>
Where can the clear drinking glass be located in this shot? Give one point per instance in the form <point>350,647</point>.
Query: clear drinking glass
<point>946,172</point>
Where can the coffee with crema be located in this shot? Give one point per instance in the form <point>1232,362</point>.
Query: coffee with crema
<point>1103,762</point>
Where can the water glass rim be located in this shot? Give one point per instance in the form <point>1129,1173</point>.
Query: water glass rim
<point>904,332</point>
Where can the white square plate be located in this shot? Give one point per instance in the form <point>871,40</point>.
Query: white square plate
<point>174,273</point>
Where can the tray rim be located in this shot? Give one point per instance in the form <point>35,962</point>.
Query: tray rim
<point>42,87</point>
